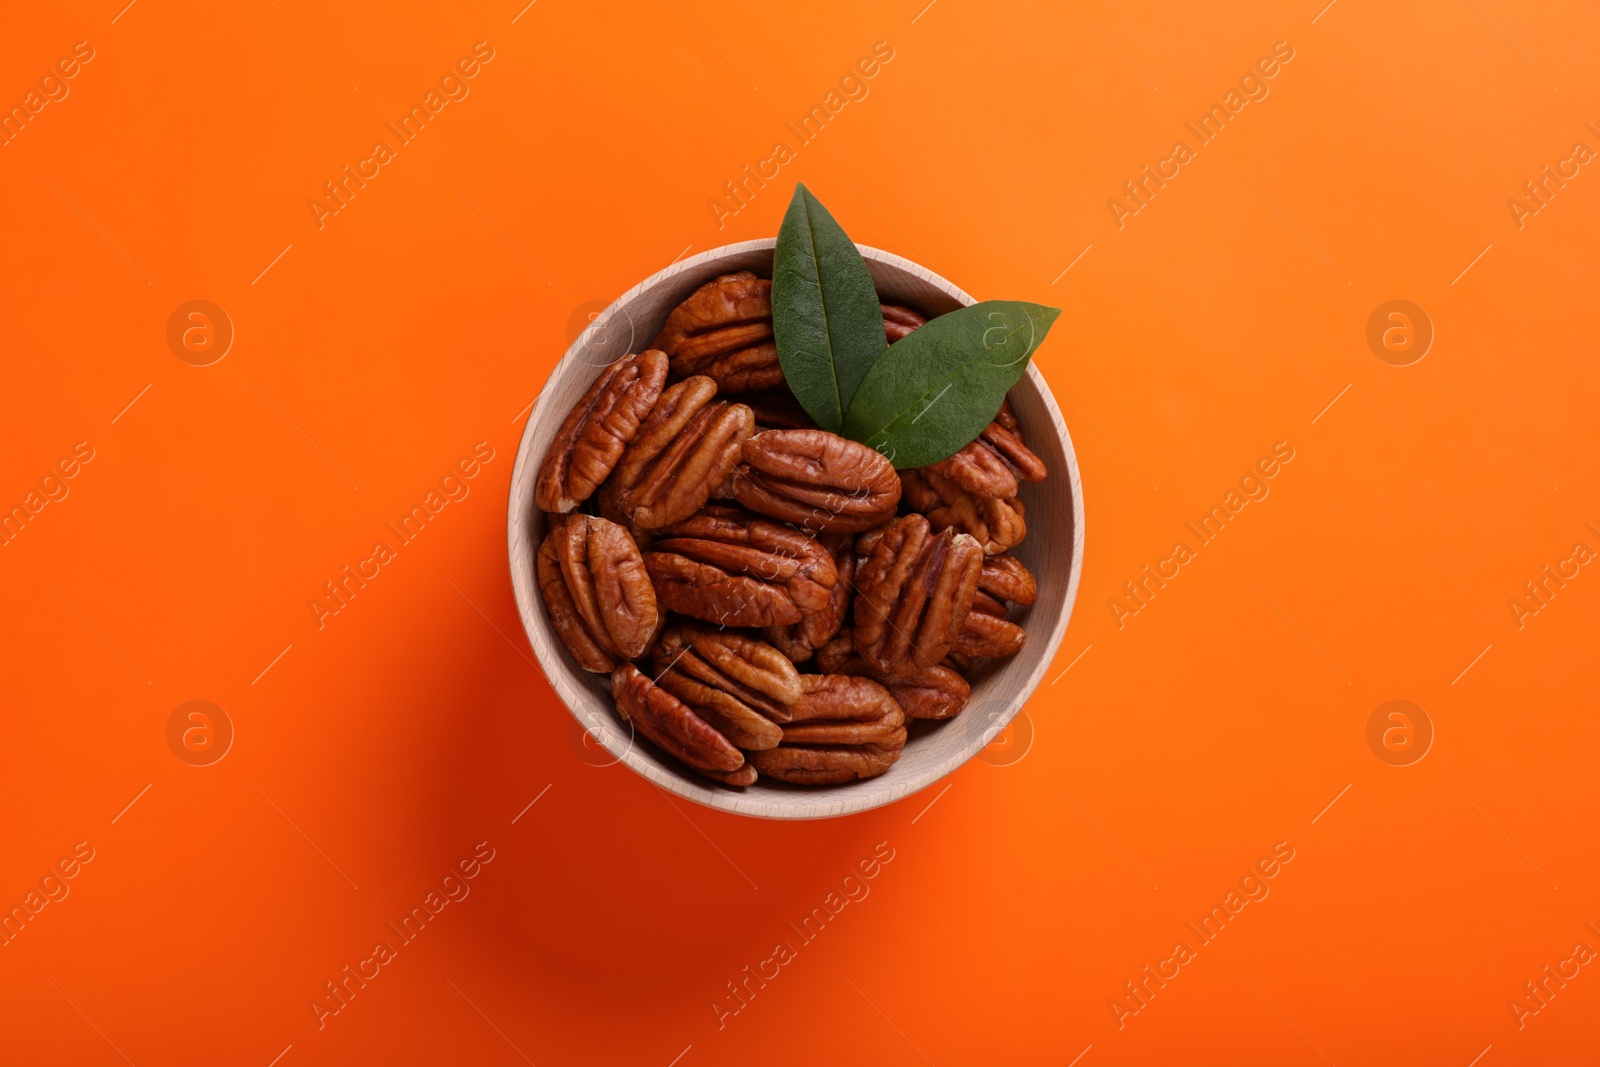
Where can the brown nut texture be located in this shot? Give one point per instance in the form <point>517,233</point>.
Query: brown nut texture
<point>802,765</point>
<point>987,604</point>
<point>899,321</point>
<point>832,656</point>
<point>799,641</point>
<point>747,668</point>
<point>664,719</point>
<point>596,589</point>
<point>913,596</point>
<point>745,775</point>
<point>985,635</point>
<point>997,524</point>
<point>593,435</point>
<point>729,567</point>
<point>733,718</point>
<point>724,331</point>
<point>936,693</point>
<point>856,698</point>
<point>1005,578</point>
<point>887,729</point>
<point>816,479</point>
<point>683,451</point>
<point>993,464</point>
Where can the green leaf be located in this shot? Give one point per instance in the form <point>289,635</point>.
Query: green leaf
<point>825,314</point>
<point>932,393</point>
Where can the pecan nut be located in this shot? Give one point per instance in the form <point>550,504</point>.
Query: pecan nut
<point>591,439</point>
<point>997,523</point>
<point>832,656</point>
<point>887,729</point>
<point>816,479</point>
<point>803,638</point>
<point>913,596</point>
<point>936,693</point>
<point>993,464</point>
<point>836,697</point>
<point>986,635</point>
<point>683,451</point>
<point>744,667</point>
<point>745,775</point>
<point>598,594</point>
<point>667,721</point>
<point>724,331</point>
<point>899,321</point>
<point>834,765</point>
<point>1005,578</point>
<point>729,567</point>
<point>733,718</point>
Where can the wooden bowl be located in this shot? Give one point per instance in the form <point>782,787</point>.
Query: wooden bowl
<point>1052,550</point>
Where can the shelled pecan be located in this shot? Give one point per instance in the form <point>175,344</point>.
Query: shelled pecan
<point>668,722</point>
<point>914,595</point>
<point>729,567</point>
<point>801,639</point>
<point>997,524</point>
<point>594,433</point>
<point>685,448</point>
<point>724,331</point>
<point>596,589</point>
<point>816,479</point>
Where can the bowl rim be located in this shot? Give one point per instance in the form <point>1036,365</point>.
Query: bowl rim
<point>800,804</point>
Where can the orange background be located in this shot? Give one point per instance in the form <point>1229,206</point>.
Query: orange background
<point>378,751</point>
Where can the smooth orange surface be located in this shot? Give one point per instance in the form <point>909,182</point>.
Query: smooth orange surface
<point>375,748</point>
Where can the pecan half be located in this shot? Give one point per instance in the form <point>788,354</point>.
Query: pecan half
<point>992,464</point>
<point>988,605</point>
<point>816,479</point>
<point>664,719</point>
<point>835,697</point>
<point>724,330</point>
<point>996,523</point>
<point>683,451</point>
<point>597,591</point>
<point>751,670</point>
<point>745,775</point>
<point>989,635</point>
<point>799,641</point>
<point>732,717</point>
<point>729,567</point>
<point>914,595</point>
<point>888,729</point>
<point>899,321</point>
<point>1005,578</point>
<point>591,439</point>
<point>803,765</point>
<point>936,693</point>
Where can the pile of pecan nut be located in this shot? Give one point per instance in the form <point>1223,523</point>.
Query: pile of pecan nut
<point>771,599</point>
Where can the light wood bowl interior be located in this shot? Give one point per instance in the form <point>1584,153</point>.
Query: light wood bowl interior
<point>1052,550</point>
